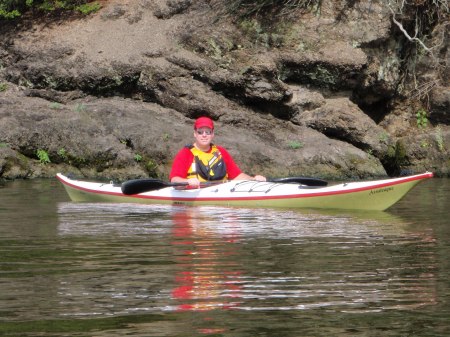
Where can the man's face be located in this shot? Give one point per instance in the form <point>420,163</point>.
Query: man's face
<point>204,136</point>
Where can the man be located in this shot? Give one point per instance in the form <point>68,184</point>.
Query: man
<point>204,161</point>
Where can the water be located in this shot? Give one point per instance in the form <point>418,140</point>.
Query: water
<point>73,269</point>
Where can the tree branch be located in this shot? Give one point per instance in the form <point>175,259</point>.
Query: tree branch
<point>414,38</point>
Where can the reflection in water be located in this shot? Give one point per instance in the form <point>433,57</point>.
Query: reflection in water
<point>207,258</point>
<point>77,269</point>
<point>209,273</point>
<point>69,269</point>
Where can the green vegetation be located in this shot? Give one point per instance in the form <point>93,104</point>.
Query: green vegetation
<point>80,107</point>
<point>421,118</point>
<point>439,139</point>
<point>295,145</point>
<point>396,157</point>
<point>383,137</point>
<point>88,8</point>
<point>152,168</point>
<point>3,86</point>
<point>217,50</point>
<point>7,9</point>
<point>274,8</point>
<point>165,137</point>
<point>62,153</point>
<point>267,23</point>
<point>137,157</point>
<point>55,105</point>
<point>321,74</point>
<point>43,156</point>
<point>267,37</point>
<point>10,9</point>
<point>424,144</point>
<point>78,161</point>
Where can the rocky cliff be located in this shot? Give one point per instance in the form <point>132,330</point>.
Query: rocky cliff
<point>335,90</point>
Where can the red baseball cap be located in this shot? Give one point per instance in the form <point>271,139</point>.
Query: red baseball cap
<point>204,122</point>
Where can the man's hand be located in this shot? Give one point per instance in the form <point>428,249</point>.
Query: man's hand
<point>193,182</point>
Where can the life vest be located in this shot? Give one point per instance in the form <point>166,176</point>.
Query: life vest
<point>207,166</point>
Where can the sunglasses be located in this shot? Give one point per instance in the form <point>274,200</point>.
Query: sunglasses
<point>204,132</point>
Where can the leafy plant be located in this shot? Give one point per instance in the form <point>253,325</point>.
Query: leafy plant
<point>3,87</point>
<point>11,9</point>
<point>8,10</point>
<point>55,105</point>
<point>152,168</point>
<point>274,8</point>
<point>80,107</point>
<point>62,153</point>
<point>295,145</point>
<point>396,157</point>
<point>383,137</point>
<point>421,118</point>
<point>259,35</point>
<point>439,139</point>
<point>165,137</point>
<point>88,8</point>
<point>137,157</point>
<point>43,156</point>
<point>424,144</point>
<point>217,51</point>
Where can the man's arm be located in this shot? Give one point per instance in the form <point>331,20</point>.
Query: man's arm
<point>180,166</point>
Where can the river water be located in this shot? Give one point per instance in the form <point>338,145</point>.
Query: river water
<point>74,269</point>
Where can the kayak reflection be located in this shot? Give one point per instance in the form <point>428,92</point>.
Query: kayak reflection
<point>179,258</point>
<point>209,274</point>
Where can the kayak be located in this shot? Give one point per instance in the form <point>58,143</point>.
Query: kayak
<point>360,195</point>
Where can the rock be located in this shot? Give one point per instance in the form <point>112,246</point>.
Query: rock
<point>13,165</point>
<point>172,8</point>
<point>440,105</point>
<point>337,66</point>
<point>341,119</point>
<point>428,151</point>
<point>303,99</point>
<point>114,95</point>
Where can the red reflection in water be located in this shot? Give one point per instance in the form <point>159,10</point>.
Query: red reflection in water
<point>209,278</point>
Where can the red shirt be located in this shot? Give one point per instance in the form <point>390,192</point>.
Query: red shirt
<point>184,159</point>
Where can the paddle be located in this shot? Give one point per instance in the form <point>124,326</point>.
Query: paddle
<point>137,186</point>
<point>308,181</point>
